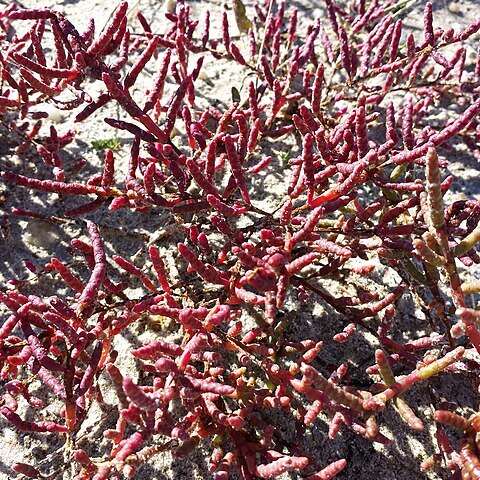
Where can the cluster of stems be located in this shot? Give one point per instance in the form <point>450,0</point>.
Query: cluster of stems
<point>360,192</point>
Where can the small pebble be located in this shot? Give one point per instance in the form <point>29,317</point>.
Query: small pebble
<point>171,6</point>
<point>41,234</point>
<point>203,75</point>
<point>54,114</point>
<point>453,7</point>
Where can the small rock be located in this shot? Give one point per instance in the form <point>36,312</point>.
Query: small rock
<point>54,114</point>
<point>171,6</point>
<point>453,7</point>
<point>41,234</point>
<point>203,75</point>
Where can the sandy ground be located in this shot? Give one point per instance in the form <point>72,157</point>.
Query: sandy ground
<point>37,241</point>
